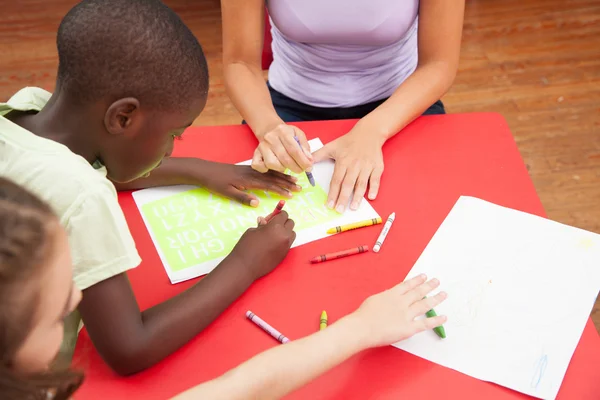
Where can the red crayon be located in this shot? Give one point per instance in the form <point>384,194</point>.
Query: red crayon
<point>339,254</point>
<point>277,210</point>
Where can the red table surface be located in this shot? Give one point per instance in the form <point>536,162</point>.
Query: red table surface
<point>428,166</point>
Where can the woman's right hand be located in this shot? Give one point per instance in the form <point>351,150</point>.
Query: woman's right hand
<point>278,150</point>
<point>389,316</point>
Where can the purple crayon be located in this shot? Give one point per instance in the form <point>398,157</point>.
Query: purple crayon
<point>309,175</point>
<point>266,327</point>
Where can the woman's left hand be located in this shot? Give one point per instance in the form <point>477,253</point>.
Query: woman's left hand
<point>358,162</point>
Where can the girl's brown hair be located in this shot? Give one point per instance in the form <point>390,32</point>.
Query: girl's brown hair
<point>25,243</point>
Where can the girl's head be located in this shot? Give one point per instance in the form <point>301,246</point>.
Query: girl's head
<point>36,293</point>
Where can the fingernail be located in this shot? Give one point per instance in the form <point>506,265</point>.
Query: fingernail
<point>423,276</point>
<point>254,203</point>
<point>443,295</point>
<point>294,179</point>
<point>288,194</point>
<point>434,281</point>
<point>340,209</point>
<point>330,205</point>
<point>372,197</point>
<point>298,187</point>
<point>354,206</point>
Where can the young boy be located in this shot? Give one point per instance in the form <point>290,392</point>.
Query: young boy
<point>131,78</point>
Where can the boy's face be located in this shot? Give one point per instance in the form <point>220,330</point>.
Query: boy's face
<point>140,138</point>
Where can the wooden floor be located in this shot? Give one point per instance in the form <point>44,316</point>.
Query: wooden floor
<point>535,61</point>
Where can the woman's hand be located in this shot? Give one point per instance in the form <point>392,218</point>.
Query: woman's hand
<point>358,162</point>
<point>278,150</point>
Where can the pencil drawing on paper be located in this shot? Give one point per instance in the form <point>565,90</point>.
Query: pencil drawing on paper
<point>466,300</point>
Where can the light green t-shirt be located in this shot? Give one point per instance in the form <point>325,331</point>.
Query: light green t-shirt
<point>80,194</point>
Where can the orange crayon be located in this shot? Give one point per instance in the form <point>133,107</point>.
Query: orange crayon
<point>277,210</point>
<point>339,254</point>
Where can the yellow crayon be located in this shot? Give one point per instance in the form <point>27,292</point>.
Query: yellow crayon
<point>356,225</point>
<point>323,323</point>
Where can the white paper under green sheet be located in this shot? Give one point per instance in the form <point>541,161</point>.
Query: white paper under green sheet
<point>193,229</point>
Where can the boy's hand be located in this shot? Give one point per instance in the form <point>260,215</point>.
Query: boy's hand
<point>232,180</point>
<point>264,247</point>
<point>389,316</point>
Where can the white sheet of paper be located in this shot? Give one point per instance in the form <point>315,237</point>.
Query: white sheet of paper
<point>322,172</point>
<point>520,290</point>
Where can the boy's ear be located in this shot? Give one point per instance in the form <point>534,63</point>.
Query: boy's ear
<point>121,115</point>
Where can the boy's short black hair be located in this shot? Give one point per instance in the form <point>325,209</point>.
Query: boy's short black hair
<point>129,48</point>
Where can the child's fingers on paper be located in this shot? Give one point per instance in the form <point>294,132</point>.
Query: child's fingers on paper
<point>424,305</point>
<point>284,176</point>
<point>407,286</point>
<point>427,324</point>
<point>272,186</point>
<point>360,188</point>
<point>280,181</point>
<point>422,290</point>
<point>242,197</point>
<point>257,162</point>
<point>374,182</point>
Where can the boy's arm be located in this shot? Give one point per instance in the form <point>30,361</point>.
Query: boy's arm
<point>225,179</point>
<point>130,341</point>
<point>383,319</point>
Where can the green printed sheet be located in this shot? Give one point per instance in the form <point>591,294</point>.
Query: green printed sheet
<point>194,229</point>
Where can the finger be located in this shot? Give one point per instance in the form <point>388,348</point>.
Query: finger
<point>282,152</point>
<point>280,218</point>
<point>424,305</point>
<point>421,291</point>
<point>374,182</point>
<point>295,150</point>
<point>427,324</point>
<point>303,142</point>
<point>410,284</point>
<point>289,224</point>
<point>339,172</point>
<point>242,197</point>
<point>261,221</point>
<point>360,188</point>
<point>271,186</point>
<point>284,176</point>
<point>347,188</point>
<point>270,159</point>
<point>257,162</point>
<point>324,153</point>
<point>276,178</point>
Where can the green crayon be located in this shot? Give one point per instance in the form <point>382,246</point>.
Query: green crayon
<point>439,330</point>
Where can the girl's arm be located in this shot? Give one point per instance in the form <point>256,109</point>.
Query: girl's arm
<point>382,319</point>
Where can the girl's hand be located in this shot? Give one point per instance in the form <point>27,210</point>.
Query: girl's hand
<point>390,316</point>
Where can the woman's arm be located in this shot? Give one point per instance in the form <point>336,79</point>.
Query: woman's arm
<point>243,33</point>
<point>358,156</point>
<point>382,319</point>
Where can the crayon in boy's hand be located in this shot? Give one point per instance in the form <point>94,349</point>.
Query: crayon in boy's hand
<point>277,210</point>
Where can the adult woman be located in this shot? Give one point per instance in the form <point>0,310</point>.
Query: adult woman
<point>383,61</point>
